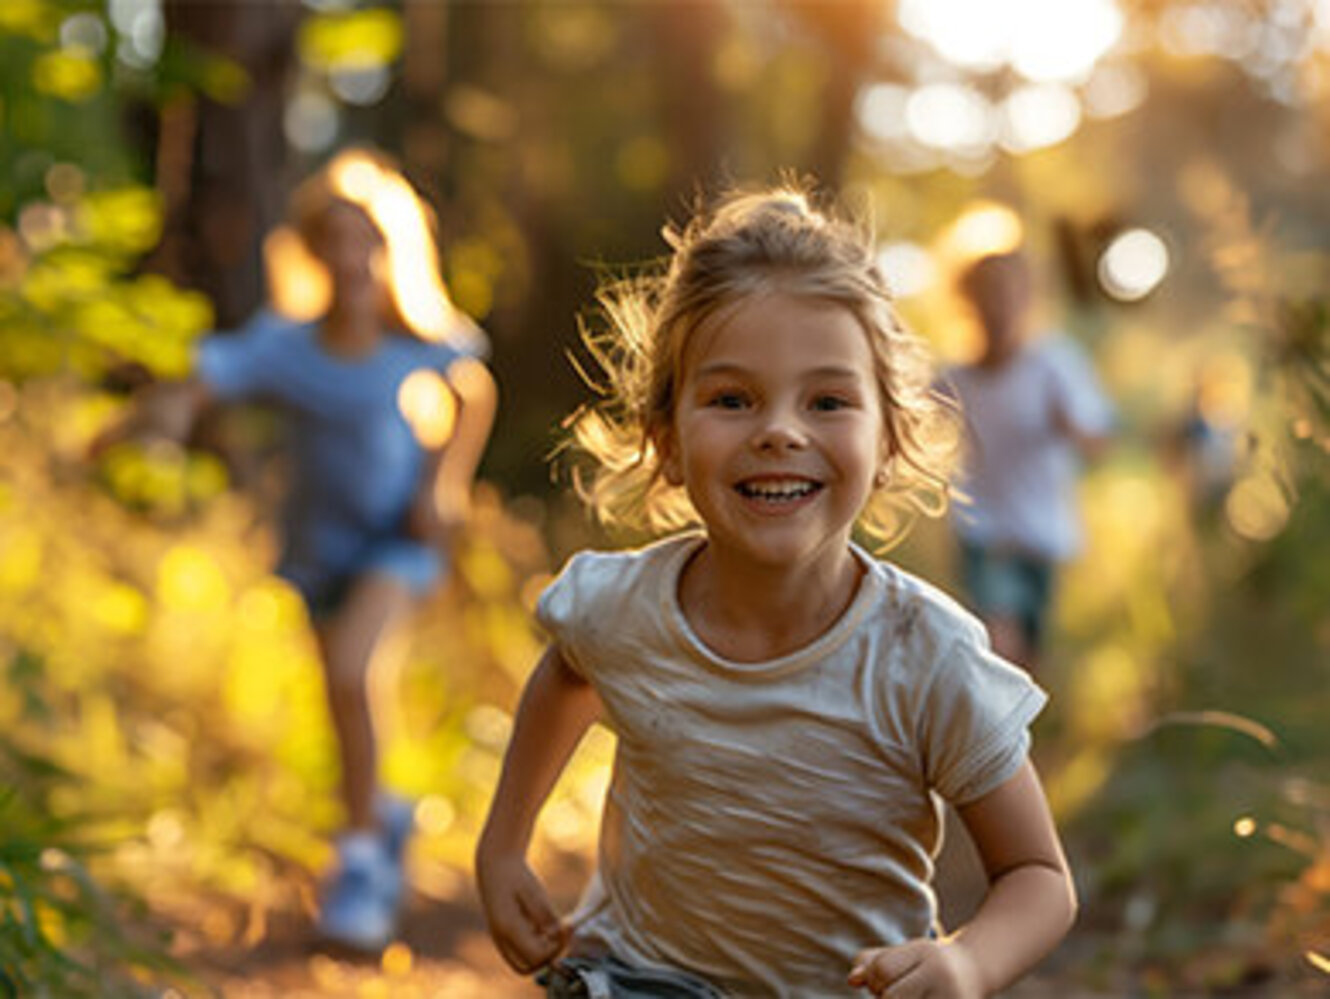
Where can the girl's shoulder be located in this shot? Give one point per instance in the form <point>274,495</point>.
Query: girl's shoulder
<point>913,607</point>
<point>1056,351</point>
<point>619,567</point>
<point>598,582</point>
<point>416,350</point>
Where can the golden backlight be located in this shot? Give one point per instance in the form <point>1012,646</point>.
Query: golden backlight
<point>298,282</point>
<point>429,407</point>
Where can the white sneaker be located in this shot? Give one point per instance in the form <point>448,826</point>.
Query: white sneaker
<point>359,907</point>
<point>397,821</point>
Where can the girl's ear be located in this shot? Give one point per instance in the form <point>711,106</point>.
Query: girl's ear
<point>671,469</point>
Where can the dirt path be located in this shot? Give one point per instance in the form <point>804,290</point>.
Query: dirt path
<point>443,952</point>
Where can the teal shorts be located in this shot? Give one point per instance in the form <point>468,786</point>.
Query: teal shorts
<point>1002,582</point>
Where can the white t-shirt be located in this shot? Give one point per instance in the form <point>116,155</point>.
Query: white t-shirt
<point>768,821</point>
<point>1020,470</point>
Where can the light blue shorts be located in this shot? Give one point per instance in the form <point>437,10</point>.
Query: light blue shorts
<point>325,588</point>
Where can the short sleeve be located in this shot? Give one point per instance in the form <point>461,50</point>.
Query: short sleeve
<point>466,338</point>
<point>974,727</point>
<point>558,607</point>
<point>1078,389</point>
<point>240,364</point>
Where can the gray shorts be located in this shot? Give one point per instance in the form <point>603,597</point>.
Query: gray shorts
<point>610,978</point>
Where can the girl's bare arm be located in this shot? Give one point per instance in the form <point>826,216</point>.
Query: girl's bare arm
<point>1030,905</point>
<point>556,709</point>
<point>443,501</point>
<point>165,409</point>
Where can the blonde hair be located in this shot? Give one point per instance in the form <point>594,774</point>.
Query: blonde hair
<point>368,181</point>
<point>751,243</point>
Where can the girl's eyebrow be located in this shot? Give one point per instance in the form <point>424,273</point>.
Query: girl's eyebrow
<point>734,368</point>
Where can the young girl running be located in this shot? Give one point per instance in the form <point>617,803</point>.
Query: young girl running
<point>786,706</point>
<point>374,498</point>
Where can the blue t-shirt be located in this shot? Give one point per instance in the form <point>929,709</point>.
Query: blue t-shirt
<point>357,461</point>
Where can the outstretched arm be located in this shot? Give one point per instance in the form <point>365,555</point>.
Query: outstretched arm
<point>164,409</point>
<point>556,709</point>
<point>1030,905</point>
<point>1091,443</point>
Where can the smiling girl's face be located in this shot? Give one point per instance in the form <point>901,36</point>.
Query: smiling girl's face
<point>349,245</point>
<point>778,430</point>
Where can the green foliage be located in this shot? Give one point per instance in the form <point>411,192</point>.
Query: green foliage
<point>55,104</point>
<point>351,40</point>
<point>61,933</point>
<point>1205,851</point>
<point>174,684</point>
<point>74,220</point>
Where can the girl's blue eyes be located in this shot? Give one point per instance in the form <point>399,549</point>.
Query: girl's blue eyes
<point>736,400</point>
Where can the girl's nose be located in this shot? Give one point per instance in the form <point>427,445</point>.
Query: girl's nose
<point>779,432</point>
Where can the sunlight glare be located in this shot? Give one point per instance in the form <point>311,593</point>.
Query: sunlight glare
<point>1043,40</point>
<point>969,33</point>
<point>1039,115</point>
<point>427,403</point>
<point>435,814</point>
<point>298,282</point>
<point>952,116</point>
<point>310,121</point>
<point>413,260</point>
<point>489,726</point>
<point>1063,39</point>
<point>120,608</point>
<point>1257,508</point>
<point>1202,29</point>
<point>880,110</point>
<point>298,285</point>
<point>985,228</point>
<point>908,268</point>
<point>166,830</point>
<point>189,579</point>
<point>397,960</point>
<point>1114,90</point>
<point>1133,265</point>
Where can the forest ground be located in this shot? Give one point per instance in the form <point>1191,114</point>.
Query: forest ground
<point>444,952</point>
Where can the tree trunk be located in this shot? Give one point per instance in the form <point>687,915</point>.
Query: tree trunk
<point>220,166</point>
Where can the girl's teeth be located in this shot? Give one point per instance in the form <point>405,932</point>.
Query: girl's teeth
<point>788,491</point>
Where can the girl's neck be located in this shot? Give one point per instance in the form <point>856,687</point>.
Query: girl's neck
<point>350,330</point>
<point>748,613</point>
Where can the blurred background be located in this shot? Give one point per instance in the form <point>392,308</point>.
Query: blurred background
<point>166,776</point>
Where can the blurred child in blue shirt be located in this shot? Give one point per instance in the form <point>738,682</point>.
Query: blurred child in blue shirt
<point>375,495</point>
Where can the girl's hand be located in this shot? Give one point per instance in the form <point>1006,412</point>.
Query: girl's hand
<point>165,409</point>
<point>936,969</point>
<point>523,923</point>
<point>438,517</point>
